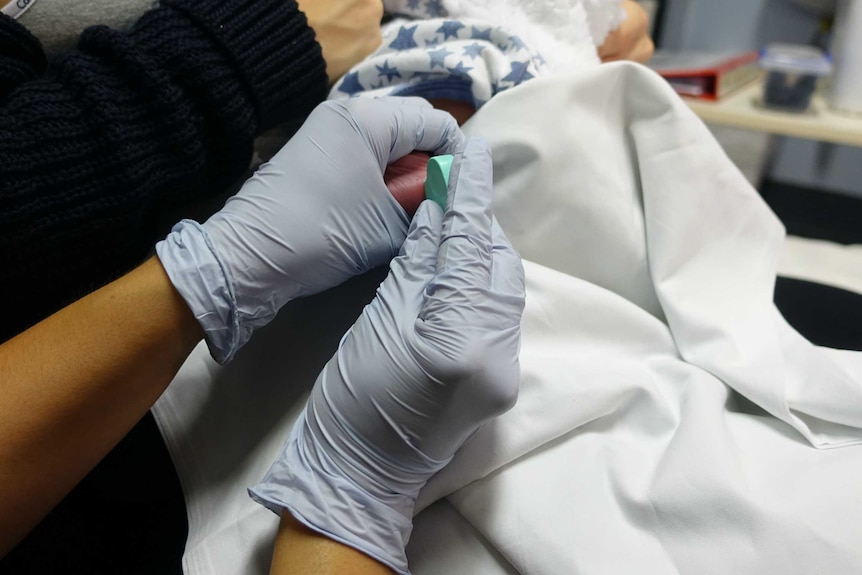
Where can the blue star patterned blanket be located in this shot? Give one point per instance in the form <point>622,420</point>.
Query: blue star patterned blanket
<point>471,51</point>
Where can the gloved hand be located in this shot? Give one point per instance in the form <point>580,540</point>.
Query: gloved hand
<point>317,214</point>
<point>433,357</point>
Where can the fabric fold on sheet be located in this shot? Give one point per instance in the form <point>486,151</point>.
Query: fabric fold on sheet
<point>675,229</point>
<point>713,252</point>
<point>648,322</point>
<point>711,243</point>
<point>650,280</point>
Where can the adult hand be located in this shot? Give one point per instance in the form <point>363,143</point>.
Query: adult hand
<point>432,358</point>
<point>317,214</point>
<point>631,40</point>
<point>347,30</point>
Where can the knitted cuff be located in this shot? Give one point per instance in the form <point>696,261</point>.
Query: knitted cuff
<point>272,48</point>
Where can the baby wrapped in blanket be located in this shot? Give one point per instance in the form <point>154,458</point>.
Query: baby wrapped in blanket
<point>460,53</point>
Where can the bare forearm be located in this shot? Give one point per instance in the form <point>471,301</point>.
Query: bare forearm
<point>301,551</point>
<point>74,384</point>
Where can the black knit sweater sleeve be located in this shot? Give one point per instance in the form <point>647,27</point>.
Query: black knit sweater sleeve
<point>94,145</point>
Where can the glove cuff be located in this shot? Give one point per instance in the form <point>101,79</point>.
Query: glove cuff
<point>306,482</point>
<point>205,283</point>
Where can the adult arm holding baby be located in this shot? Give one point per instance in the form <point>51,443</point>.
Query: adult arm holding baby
<point>101,141</point>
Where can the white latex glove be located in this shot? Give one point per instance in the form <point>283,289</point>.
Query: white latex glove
<point>432,358</point>
<point>315,215</point>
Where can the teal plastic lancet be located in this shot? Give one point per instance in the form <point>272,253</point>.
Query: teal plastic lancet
<point>437,179</point>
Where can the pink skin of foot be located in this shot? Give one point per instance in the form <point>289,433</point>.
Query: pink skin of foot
<point>405,179</point>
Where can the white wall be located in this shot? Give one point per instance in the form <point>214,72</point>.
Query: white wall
<point>734,24</point>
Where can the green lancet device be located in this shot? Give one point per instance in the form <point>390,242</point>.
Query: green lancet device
<point>437,179</point>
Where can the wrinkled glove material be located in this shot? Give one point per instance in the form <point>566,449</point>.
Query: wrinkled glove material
<point>314,216</point>
<point>431,359</point>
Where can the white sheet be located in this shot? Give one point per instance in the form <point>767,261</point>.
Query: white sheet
<point>822,262</point>
<point>650,275</point>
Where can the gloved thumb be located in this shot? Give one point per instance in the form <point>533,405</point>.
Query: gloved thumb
<point>417,260</point>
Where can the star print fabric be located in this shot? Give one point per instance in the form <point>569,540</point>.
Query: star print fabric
<point>430,50</point>
<point>439,58</point>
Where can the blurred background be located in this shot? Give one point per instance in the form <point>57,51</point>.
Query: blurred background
<point>813,183</point>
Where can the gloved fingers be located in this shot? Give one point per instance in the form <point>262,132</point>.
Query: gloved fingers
<point>507,269</point>
<point>400,297</point>
<point>417,259</point>
<point>465,251</point>
<point>394,127</point>
<point>418,126</point>
<point>460,287</point>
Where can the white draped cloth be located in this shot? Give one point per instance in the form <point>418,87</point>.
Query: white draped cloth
<point>670,421</point>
